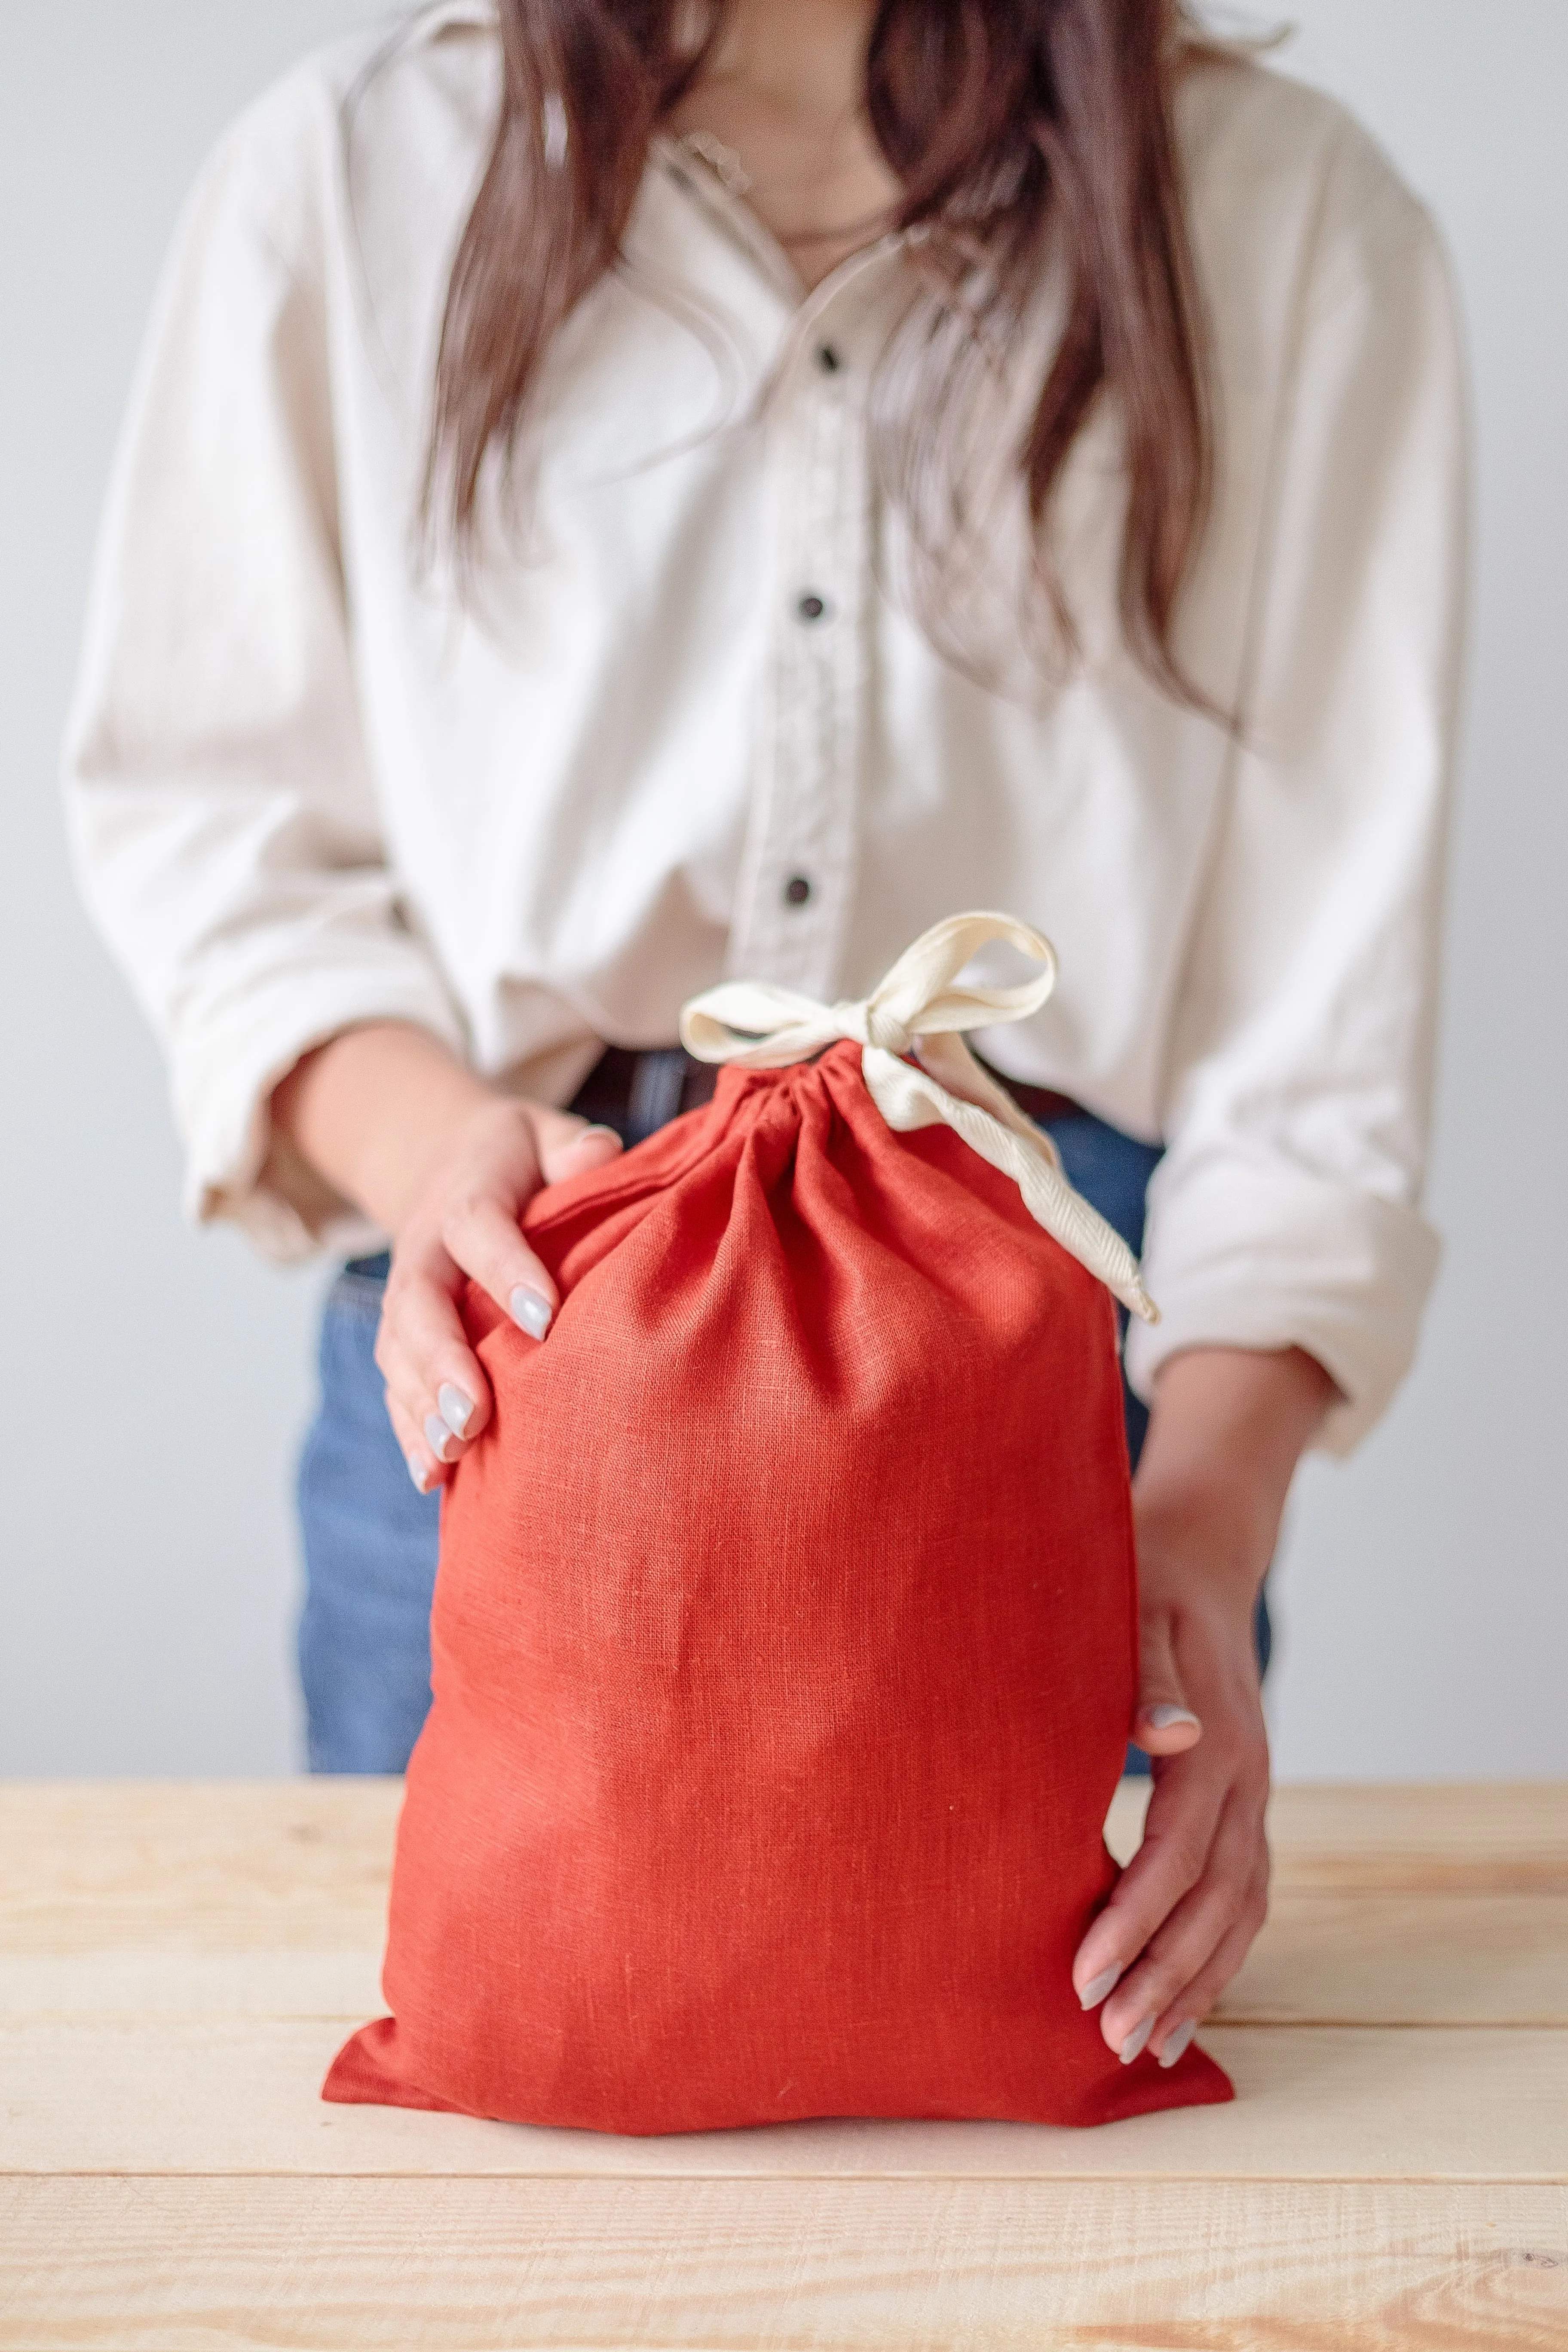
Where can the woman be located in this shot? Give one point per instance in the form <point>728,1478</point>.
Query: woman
<point>845,463</point>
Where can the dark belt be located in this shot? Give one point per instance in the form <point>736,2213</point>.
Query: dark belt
<point>636,1092</point>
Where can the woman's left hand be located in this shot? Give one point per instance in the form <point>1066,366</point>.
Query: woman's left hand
<point>1228,1428</point>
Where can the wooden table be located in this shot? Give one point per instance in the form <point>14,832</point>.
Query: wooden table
<point>177,1965</point>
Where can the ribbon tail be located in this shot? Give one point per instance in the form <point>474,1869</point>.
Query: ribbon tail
<point>909,1098</point>
<point>950,1060</point>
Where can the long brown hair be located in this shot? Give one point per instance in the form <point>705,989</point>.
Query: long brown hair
<point>1008,123</point>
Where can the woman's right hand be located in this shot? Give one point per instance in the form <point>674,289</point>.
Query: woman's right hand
<point>446,1167</point>
<point>465,1220</point>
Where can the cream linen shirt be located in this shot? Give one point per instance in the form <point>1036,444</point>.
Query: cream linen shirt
<point>313,783</point>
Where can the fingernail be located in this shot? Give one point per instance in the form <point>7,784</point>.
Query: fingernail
<point>438,1436</point>
<point>532,1311</point>
<point>1175,2044</point>
<point>417,1472</point>
<point>1161,1718</point>
<point>456,1409</point>
<point>587,1131</point>
<point>1097,1988</point>
<point>1133,2045</point>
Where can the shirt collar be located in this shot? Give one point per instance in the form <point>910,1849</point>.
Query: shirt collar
<point>699,180</point>
<point>452,13</point>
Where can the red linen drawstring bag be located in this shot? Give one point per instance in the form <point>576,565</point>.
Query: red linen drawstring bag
<point>784,1629</point>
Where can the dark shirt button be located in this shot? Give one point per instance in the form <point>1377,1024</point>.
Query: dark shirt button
<point>828,359</point>
<point>812,608</point>
<point>797,890</point>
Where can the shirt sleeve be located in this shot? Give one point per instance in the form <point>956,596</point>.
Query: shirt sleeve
<point>222,813</point>
<point>1287,1209</point>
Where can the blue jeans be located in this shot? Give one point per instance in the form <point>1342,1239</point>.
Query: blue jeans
<point>370,1540</point>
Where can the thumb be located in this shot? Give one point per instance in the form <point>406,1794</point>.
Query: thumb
<point>1163,1725</point>
<point>568,1146</point>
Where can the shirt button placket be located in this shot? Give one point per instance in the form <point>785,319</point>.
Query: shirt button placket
<point>801,852</point>
<point>813,815</point>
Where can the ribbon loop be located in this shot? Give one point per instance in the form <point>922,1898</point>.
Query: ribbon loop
<point>916,1008</point>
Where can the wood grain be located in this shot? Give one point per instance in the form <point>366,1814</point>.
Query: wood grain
<point>270,1901</point>
<point>103,1862</point>
<point>842,2266</point>
<point>1370,1958</point>
<point>1383,1958</point>
<point>178,1963</point>
<point>1478,1838</point>
<point>1494,1837</point>
<point>286,1865</point>
<point>173,2094</point>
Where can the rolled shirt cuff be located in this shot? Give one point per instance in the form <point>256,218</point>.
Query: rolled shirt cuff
<point>1266,1255</point>
<point>237,1167</point>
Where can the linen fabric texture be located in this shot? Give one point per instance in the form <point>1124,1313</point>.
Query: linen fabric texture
<point>783,1653</point>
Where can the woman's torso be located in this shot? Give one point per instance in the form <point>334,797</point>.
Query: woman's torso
<point>681,722</point>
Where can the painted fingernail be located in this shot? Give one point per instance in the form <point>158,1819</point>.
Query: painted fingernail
<point>1133,2045</point>
<point>1176,2043</point>
<point>418,1473</point>
<point>1161,1718</point>
<point>532,1311</point>
<point>457,1410</point>
<point>438,1436</point>
<point>1097,1988</point>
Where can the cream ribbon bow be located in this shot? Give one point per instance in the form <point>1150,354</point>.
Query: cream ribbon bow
<point>916,1008</point>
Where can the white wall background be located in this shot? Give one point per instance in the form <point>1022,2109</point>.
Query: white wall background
<point>155,1382</point>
